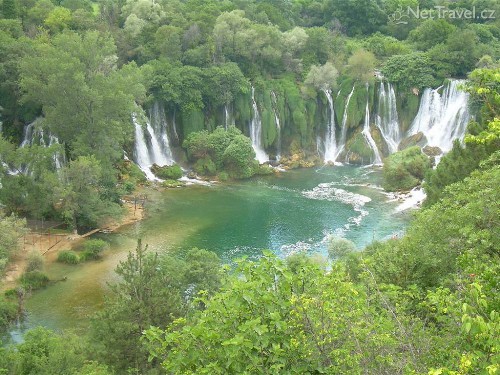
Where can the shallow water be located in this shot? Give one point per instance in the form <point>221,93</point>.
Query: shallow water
<point>295,211</point>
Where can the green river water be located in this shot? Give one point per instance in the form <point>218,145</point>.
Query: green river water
<point>294,211</point>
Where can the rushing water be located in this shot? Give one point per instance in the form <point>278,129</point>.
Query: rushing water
<point>330,140</point>
<point>442,118</point>
<point>256,132</point>
<point>367,134</point>
<point>387,117</point>
<point>295,211</point>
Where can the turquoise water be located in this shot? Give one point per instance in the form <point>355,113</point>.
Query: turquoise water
<point>286,213</point>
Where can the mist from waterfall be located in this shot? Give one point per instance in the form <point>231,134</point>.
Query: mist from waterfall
<point>366,131</point>
<point>442,118</point>
<point>386,119</point>
<point>256,132</point>
<point>330,139</point>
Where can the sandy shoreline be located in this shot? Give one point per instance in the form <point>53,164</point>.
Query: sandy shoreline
<point>49,245</point>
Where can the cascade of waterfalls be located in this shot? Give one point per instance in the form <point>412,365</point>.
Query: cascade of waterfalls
<point>152,144</point>
<point>387,116</point>
<point>158,129</point>
<point>330,141</point>
<point>442,118</point>
<point>256,132</point>
<point>343,133</point>
<point>278,125</point>
<point>33,134</point>
<point>366,131</point>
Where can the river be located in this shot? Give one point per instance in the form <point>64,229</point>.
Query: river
<point>286,213</point>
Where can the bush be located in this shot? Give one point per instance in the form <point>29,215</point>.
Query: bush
<point>339,247</point>
<point>8,313</point>
<point>34,280</point>
<point>35,261</point>
<point>405,169</point>
<point>168,172</point>
<point>223,176</point>
<point>264,170</point>
<point>68,257</point>
<point>92,249</point>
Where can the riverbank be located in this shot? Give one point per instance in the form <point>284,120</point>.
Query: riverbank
<point>49,245</point>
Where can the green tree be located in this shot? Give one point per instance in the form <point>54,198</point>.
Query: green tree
<point>430,33</point>
<point>12,229</point>
<point>153,292</point>
<point>85,98</point>
<point>82,199</point>
<point>361,66</point>
<point>409,71</point>
<point>10,9</point>
<point>322,77</point>
<point>268,318</point>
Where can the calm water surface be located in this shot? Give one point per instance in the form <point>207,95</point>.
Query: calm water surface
<point>295,211</point>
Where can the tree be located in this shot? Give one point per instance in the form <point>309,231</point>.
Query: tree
<point>85,98</point>
<point>10,9</point>
<point>361,66</point>
<point>322,77</point>
<point>413,70</point>
<point>82,199</point>
<point>12,229</point>
<point>430,33</point>
<point>269,318</point>
<point>339,247</point>
<point>154,290</point>
<point>58,19</point>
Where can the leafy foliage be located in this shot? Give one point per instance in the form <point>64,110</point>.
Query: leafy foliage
<point>405,169</point>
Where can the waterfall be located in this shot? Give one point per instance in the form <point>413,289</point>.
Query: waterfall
<point>152,144</point>
<point>228,116</point>
<point>387,116</point>
<point>256,132</point>
<point>366,131</point>
<point>142,156</point>
<point>58,158</point>
<point>278,125</point>
<point>158,130</point>
<point>33,134</point>
<point>343,133</point>
<point>330,142</point>
<point>442,118</point>
<point>174,128</point>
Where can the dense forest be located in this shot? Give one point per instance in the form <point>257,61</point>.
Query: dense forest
<point>297,83</point>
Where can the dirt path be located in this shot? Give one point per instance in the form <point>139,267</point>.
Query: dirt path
<point>49,245</point>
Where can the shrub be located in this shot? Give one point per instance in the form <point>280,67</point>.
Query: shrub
<point>34,280</point>
<point>35,261</point>
<point>339,247</point>
<point>68,257</point>
<point>8,313</point>
<point>92,249</point>
<point>223,176</point>
<point>405,169</point>
<point>168,172</point>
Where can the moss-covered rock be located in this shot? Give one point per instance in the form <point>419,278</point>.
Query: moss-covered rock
<point>418,139</point>
<point>357,151</point>
<point>167,172</point>
<point>432,150</point>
